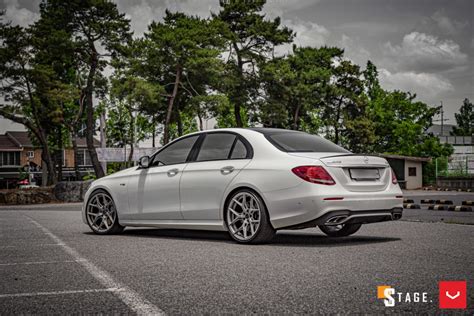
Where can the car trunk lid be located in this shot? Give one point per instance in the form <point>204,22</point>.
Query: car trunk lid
<point>356,173</point>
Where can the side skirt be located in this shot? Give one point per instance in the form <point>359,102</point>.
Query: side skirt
<point>217,225</point>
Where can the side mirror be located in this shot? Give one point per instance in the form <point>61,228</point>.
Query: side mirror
<point>144,162</point>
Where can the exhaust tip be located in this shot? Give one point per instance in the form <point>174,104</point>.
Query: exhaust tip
<point>336,220</point>
<point>396,216</point>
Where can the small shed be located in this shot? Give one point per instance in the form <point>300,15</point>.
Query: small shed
<point>408,169</point>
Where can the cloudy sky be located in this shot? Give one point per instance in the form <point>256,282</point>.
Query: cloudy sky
<point>423,46</point>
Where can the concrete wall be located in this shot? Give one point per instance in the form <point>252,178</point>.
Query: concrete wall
<point>413,182</point>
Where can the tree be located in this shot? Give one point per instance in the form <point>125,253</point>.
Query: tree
<point>99,30</point>
<point>464,120</point>
<point>343,95</point>
<point>180,54</point>
<point>251,40</point>
<point>295,87</point>
<point>32,89</point>
<point>400,122</point>
<point>130,96</point>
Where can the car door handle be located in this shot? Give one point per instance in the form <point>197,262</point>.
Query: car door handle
<point>227,170</point>
<point>173,172</point>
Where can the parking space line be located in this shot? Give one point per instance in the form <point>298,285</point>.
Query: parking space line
<point>37,262</point>
<point>132,299</point>
<point>32,245</point>
<point>59,292</point>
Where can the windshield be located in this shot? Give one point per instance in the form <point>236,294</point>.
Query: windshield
<point>302,142</point>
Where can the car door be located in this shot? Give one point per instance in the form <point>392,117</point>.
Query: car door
<point>154,191</point>
<point>222,155</point>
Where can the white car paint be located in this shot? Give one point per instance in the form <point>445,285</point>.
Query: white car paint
<point>192,195</point>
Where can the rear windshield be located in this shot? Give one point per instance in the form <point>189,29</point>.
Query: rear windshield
<point>302,142</point>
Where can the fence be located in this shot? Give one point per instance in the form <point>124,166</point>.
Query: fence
<point>462,164</point>
<point>122,154</point>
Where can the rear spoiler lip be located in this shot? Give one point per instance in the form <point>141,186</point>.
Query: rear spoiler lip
<point>344,155</point>
<point>372,165</point>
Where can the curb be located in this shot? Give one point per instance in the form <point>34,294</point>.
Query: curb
<point>438,207</point>
<point>411,206</point>
<point>445,202</point>
<point>460,208</point>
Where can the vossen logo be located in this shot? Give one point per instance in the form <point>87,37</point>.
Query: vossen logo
<point>391,297</point>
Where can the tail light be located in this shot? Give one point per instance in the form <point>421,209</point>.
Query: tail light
<point>394,177</point>
<point>314,174</point>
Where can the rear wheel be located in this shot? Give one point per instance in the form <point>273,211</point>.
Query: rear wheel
<point>101,214</point>
<point>340,230</point>
<point>247,218</point>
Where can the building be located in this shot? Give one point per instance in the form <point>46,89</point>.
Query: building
<point>18,154</point>
<point>409,170</point>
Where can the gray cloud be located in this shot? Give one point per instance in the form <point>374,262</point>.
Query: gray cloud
<point>18,14</point>
<point>423,52</point>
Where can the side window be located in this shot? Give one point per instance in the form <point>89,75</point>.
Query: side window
<point>240,151</point>
<point>216,146</point>
<point>175,153</point>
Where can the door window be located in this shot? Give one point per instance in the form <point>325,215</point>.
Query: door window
<point>175,153</point>
<point>239,151</point>
<point>216,146</point>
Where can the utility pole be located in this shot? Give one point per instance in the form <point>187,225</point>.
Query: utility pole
<point>442,120</point>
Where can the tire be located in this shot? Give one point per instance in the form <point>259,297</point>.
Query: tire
<point>101,214</point>
<point>241,221</point>
<point>344,230</point>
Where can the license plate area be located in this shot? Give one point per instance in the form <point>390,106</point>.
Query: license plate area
<point>364,174</point>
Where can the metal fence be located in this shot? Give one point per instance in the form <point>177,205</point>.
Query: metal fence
<point>463,164</point>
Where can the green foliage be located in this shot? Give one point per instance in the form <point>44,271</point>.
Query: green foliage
<point>89,176</point>
<point>251,40</point>
<point>180,54</point>
<point>295,87</point>
<point>464,120</point>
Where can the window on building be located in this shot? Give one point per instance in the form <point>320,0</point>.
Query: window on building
<point>30,154</point>
<point>10,158</point>
<point>412,171</point>
<point>83,158</point>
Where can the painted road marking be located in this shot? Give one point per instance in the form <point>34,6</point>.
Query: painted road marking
<point>132,299</point>
<point>59,292</point>
<point>37,262</point>
<point>30,245</point>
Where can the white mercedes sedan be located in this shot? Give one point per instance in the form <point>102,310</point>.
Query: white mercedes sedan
<point>249,182</point>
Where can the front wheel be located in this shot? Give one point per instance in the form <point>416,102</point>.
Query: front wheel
<point>101,214</point>
<point>247,218</point>
<point>340,230</point>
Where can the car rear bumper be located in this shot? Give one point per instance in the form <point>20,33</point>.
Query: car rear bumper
<point>309,203</point>
<point>352,217</point>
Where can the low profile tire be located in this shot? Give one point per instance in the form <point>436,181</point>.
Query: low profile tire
<point>247,219</point>
<point>101,214</point>
<point>340,230</point>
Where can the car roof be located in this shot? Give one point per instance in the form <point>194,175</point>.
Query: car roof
<point>262,130</point>
<point>272,131</point>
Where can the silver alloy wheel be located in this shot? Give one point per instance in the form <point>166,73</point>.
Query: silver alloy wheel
<point>244,214</point>
<point>101,212</point>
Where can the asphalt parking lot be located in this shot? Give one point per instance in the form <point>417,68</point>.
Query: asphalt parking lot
<point>51,264</point>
